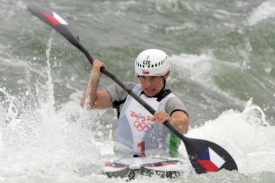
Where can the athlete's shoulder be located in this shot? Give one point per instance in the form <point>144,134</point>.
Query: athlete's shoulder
<point>115,86</point>
<point>173,99</point>
<point>173,104</point>
<point>130,85</point>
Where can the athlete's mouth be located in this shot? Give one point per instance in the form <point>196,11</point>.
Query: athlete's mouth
<point>150,89</point>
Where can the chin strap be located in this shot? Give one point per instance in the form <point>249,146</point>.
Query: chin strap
<point>164,82</point>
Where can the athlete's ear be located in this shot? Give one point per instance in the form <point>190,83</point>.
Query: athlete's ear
<point>167,74</point>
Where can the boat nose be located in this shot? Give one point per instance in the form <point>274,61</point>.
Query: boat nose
<point>134,166</point>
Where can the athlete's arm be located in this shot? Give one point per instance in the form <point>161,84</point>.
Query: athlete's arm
<point>91,97</point>
<point>178,119</point>
<point>102,101</point>
<point>175,112</point>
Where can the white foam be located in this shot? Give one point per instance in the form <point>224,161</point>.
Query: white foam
<point>263,12</point>
<point>200,69</point>
<point>195,67</point>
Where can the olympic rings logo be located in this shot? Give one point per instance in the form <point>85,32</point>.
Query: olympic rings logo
<point>141,126</point>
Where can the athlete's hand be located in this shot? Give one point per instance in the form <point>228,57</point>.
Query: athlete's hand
<point>97,64</point>
<point>161,117</point>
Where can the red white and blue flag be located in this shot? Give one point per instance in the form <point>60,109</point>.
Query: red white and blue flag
<point>145,71</point>
<point>54,18</point>
<point>210,160</point>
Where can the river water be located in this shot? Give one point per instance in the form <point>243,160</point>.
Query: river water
<point>222,56</point>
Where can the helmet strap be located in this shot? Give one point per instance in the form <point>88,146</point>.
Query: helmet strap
<point>164,82</point>
<point>163,88</point>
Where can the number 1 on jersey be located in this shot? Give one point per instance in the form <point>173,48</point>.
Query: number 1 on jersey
<point>142,148</point>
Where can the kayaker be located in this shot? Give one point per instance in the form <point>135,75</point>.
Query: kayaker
<point>138,132</point>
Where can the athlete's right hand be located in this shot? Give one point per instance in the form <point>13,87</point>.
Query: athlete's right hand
<point>97,64</point>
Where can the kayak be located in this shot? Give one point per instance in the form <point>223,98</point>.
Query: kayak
<point>129,168</point>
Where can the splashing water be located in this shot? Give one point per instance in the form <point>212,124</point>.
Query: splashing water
<point>219,50</point>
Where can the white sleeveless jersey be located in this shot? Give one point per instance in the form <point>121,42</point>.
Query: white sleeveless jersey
<point>136,133</point>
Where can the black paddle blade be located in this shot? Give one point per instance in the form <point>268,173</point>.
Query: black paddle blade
<point>206,156</point>
<point>57,22</point>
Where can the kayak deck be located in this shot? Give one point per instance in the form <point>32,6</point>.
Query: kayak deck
<point>147,166</point>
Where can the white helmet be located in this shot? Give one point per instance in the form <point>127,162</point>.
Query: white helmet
<point>152,62</point>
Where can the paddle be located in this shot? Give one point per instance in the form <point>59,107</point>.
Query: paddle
<point>205,156</point>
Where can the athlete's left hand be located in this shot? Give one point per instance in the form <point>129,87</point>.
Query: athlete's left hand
<point>161,117</point>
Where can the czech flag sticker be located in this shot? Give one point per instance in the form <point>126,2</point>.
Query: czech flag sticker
<point>54,18</point>
<point>145,71</point>
<point>210,160</point>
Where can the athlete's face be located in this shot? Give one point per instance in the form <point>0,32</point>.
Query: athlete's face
<point>152,85</point>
